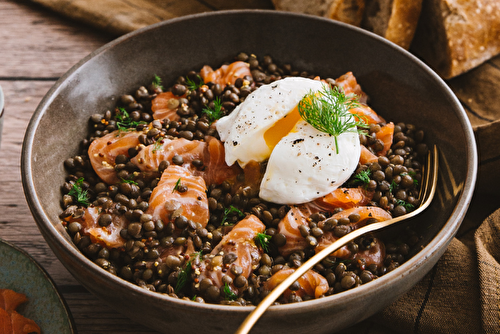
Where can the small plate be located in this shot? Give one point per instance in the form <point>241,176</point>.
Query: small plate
<point>21,273</point>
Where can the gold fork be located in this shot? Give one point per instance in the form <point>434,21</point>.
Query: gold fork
<point>426,194</point>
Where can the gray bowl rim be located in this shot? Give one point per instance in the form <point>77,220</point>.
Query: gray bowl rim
<point>444,236</point>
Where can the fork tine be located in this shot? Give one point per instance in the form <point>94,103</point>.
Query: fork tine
<point>426,194</point>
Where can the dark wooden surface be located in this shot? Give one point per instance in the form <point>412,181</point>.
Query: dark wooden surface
<point>36,47</point>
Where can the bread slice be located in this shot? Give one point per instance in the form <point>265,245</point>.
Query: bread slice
<point>454,36</point>
<point>348,11</point>
<point>396,20</point>
<point>313,7</point>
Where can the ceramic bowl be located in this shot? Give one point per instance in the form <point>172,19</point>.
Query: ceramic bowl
<point>401,88</point>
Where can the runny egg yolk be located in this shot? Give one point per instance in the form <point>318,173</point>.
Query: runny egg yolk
<point>281,128</point>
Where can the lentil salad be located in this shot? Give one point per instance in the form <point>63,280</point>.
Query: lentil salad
<point>178,255</point>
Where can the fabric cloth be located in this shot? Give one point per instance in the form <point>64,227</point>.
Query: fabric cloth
<point>461,294</point>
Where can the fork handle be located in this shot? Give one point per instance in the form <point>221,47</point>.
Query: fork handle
<point>252,318</point>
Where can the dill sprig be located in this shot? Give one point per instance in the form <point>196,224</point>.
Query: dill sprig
<point>328,111</point>
<point>192,85</point>
<point>408,206</point>
<point>81,196</point>
<point>230,211</point>
<point>124,121</point>
<point>157,82</point>
<point>363,177</point>
<point>228,293</point>
<point>214,113</point>
<point>185,273</point>
<point>158,143</point>
<point>262,240</point>
<point>129,181</point>
<point>177,184</point>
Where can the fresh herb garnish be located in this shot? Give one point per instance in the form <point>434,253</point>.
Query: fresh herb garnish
<point>228,293</point>
<point>124,121</point>
<point>183,277</point>
<point>363,177</point>
<point>177,184</point>
<point>393,186</point>
<point>157,145</point>
<point>192,85</point>
<point>157,82</point>
<point>81,196</point>
<point>408,206</point>
<point>262,240</point>
<point>129,181</point>
<point>230,211</point>
<point>328,111</point>
<point>185,273</point>
<point>214,113</point>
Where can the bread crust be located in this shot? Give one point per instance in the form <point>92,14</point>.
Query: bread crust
<point>313,7</point>
<point>347,11</point>
<point>454,36</point>
<point>403,22</point>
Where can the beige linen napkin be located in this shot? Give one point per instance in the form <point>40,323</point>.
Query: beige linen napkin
<point>461,294</point>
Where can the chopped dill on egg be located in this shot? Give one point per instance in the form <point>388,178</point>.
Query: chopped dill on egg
<point>214,113</point>
<point>81,196</point>
<point>328,111</point>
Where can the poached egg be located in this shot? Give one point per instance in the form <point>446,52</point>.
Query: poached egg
<point>303,163</point>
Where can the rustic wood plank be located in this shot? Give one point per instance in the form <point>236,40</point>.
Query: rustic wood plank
<point>39,43</point>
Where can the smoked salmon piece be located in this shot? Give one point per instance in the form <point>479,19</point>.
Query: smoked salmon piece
<point>165,106</point>
<point>365,213</point>
<point>216,170</point>
<point>240,241</point>
<point>10,300</point>
<point>366,114</point>
<point>312,284</point>
<point>167,198</point>
<point>149,158</point>
<point>385,134</point>
<point>103,152</point>
<point>366,156</point>
<point>350,85</point>
<point>12,322</point>
<point>108,236</point>
<point>226,74</point>
<point>289,226</point>
<point>344,198</point>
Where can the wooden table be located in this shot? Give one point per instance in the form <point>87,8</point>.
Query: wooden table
<point>36,48</point>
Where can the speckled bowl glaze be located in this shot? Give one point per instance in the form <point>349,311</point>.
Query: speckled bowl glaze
<point>401,88</point>
<point>22,274</point>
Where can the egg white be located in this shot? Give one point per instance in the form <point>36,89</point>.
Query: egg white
<point>243,130</point>
<point>305,165</point>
